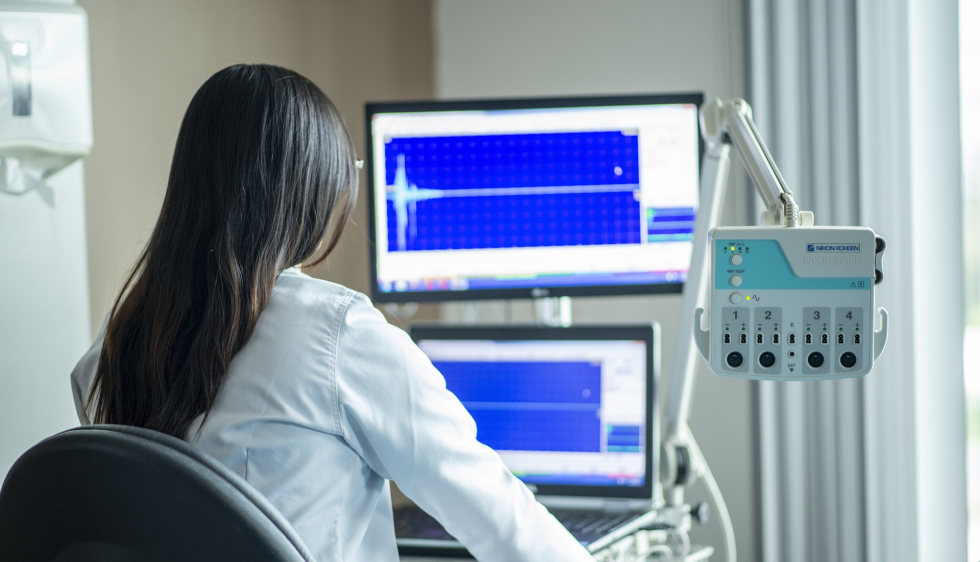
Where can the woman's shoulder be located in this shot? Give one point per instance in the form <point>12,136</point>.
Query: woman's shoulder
<point>356,335</point>
<point>297,295</point>
<point>296,289</point>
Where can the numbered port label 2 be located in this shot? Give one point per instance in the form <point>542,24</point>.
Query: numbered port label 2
<point>768,323</point>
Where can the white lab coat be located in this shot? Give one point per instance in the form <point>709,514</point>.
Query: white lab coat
<point>326,402</point>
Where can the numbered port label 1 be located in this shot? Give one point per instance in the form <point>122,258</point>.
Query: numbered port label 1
<point>735,316</point>
<point>735,350</point>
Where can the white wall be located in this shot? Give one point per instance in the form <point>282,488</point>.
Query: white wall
<point>142,81</point>
<point>44,311</point>
<point>580,47</point>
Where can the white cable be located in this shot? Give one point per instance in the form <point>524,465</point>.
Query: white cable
<point>685,540</point>
<point>715,491</point>
<point>659,549</point>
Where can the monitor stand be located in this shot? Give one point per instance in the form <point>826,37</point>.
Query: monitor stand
<point>553,311</point>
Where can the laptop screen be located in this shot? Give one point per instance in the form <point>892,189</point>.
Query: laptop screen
<point>562,412</point>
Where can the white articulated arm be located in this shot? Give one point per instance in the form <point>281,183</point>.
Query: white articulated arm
<point>724,122</point>
<point>720,121</point>
<point>681,460</point>
<point>734,118</point>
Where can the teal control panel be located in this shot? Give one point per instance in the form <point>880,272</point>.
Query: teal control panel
<point>792,303</point>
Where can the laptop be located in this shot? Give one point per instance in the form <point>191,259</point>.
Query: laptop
<point>571,411</point>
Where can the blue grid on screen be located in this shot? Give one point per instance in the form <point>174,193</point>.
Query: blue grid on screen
<point>515,190</point>
<point>530,406</point>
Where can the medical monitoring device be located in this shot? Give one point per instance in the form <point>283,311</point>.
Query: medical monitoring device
<point>787,300</point>
<point>532,198</point>
<point>793,303</point>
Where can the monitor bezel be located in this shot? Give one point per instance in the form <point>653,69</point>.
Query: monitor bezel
<point>648,333</point>
<point>544,290</point>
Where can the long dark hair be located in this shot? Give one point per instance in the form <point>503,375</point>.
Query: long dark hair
<point>262,160</point>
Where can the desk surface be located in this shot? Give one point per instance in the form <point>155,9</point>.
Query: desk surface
<point>698,554</point>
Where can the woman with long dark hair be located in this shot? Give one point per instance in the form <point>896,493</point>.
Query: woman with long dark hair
<point>297,384</point>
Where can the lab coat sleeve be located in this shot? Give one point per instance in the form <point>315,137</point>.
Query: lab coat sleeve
<point>79,403</point>
<point>81,377</point>
<point>398,415</point>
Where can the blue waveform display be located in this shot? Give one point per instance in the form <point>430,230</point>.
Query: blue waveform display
<point>530,406</point>
<point>670,224</point>
<point>514,190</point>
<point>624,438</point>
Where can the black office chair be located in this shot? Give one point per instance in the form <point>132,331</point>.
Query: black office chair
<point>110,493</point>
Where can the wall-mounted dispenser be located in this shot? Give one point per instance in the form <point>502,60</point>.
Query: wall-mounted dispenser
<point>45,93</point>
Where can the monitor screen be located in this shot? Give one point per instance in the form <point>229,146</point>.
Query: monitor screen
<point>531,198</point>
<point>559,412</point>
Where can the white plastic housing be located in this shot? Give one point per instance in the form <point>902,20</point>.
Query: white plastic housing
<point>792,303</point>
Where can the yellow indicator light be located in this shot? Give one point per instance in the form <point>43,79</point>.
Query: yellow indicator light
<point>748,298</point>
<point>733,248</point>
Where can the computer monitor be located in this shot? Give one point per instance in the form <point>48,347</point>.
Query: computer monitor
<point>532,198</point>
<point>571,411</point>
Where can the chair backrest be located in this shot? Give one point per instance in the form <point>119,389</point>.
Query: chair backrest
<point>122,494</point>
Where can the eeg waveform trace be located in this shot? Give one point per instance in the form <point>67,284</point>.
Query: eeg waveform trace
<point>512,190</point>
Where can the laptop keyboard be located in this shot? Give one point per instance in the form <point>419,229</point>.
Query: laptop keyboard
<point>585,526</point>
<point>413,523</point>
<point>588,526</point>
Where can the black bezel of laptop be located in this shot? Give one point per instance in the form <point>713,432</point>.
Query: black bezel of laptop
<point>646,333</point>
